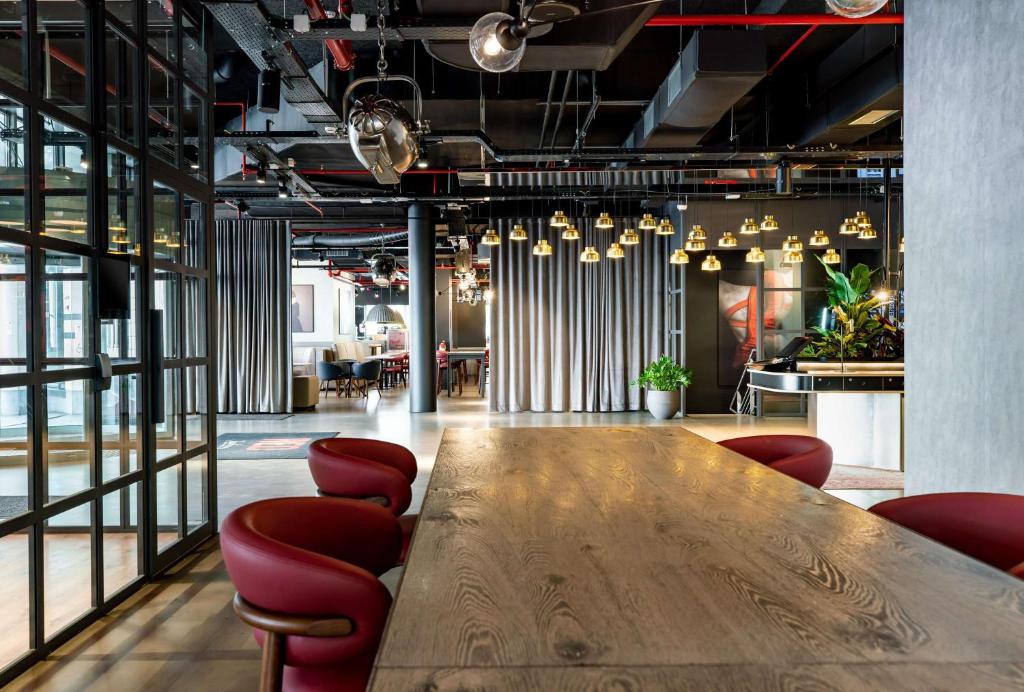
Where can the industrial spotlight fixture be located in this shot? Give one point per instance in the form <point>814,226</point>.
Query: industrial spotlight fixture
<point>382,134</point>
<point>383,268</point>
<point>855,8</point>
<point>604,222</point>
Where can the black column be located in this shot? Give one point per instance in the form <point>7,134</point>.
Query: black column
<point>422,359</point>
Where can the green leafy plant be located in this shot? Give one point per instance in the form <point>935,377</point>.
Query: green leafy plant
<point>860,329</point>
<point>664,375</point>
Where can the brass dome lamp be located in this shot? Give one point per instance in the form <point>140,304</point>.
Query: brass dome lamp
<point>749,227</point>
<point>755,255</point>
<point>769,224</point>
<point>711,264</point>
<point>490,237</point>
<point>727,240</point>
<point>604,222</point>
<point>629,237</point>
<point>542,248</point>
<point>590,255</point>
<point>615,251</point>
<point>665,227</point>
<point>517,232</point>
<point>570,232</point>
<point>559,220</point>
<point>831,257</point>
<point>679,256</point>
<point>819,239</point>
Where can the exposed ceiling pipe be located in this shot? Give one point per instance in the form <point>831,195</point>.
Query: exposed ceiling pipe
<point>372,229</point>
<point>569,76</point>
<point>547,107</point>
<point>359,240</point>
<point>344,56</point>
<point>770,20</point>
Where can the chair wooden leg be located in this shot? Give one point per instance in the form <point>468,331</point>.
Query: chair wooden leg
<point>272,663</point>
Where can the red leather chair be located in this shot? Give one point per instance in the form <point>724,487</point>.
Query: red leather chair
<point>987,526</point>
<point>802,457</point>
<point>374,470</point>
<point>305,568</point>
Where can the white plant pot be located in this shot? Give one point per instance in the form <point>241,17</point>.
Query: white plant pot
<point>663,405</point>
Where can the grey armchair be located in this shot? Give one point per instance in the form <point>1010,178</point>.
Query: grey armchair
<point>337,373</point>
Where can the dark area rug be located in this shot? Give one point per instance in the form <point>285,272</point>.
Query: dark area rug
<point>284,445</point>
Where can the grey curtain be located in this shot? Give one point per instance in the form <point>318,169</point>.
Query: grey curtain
<point>253,309</point>
<point>568,336</point>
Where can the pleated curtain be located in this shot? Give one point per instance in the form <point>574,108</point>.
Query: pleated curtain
<point>568,336</point>
<point>253,317</point>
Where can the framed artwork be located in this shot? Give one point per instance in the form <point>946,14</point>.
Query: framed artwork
<point>302,308</point>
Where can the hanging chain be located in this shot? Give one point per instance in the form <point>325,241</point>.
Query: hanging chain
<point>382,62</point>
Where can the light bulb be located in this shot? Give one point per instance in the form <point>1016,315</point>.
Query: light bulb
<point>491,46</point>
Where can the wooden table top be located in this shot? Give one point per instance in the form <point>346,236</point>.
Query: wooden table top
<point>552,558</point>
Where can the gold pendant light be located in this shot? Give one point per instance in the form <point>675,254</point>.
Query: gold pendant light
<point>711,264</point>
<point>867,232</point>
<point>902,246</point>
<point>749,227</point>
<point>849,227</point>
<point>119,233</point>
<point>647,223</point>
<point>694,245</point>
<point>491,237</point>
<point>679,256</point>
<point>570,232</point>
<point>604,222</point>
<point>727,240</point>
<point>698,233</point>
<point>793,257</point>
<point>542,248</point>
<point>792,244</point>
<point>629,237</point>
<point>517,232</point>
<point>831,257</point>
<point>590,254</point>
<point>615,251</point>
<point>665,227</point>
<point>769,224</point>
<point>559,220</point>
<point>174,240</point>
<point>755,255</point>
<point>819,239</point>
<point>862,219</point>
<point>160,236</point>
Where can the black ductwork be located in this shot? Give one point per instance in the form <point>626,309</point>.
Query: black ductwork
<point>313,240</point>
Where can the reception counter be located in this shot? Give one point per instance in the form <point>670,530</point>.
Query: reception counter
<point>855,407</point>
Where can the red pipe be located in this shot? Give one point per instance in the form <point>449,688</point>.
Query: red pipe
<point>243,107</point>
<point>344,56</point>
<point>363,171</point>
<point>771,20</point>
<point>789,51</point>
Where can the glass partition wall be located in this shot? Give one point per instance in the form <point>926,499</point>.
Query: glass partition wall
<point>106,477</point>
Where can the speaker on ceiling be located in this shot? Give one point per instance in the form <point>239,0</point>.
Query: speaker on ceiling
<point>269,95</point>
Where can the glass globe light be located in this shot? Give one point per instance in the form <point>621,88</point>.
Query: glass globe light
<point>855,8</point>
<point>497,43</point>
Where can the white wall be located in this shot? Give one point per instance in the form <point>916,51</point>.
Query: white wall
<point>333,312</point>
<point>963,141</point>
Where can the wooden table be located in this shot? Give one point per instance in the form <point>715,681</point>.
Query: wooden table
<point>651,558</point>
<point>464,354</point>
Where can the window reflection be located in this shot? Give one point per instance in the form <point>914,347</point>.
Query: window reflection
<point>193,55</point>
<point>13,317</point>
<point>196,489</point>
<point>118,338</point>
<point>193,245</point>
<point>13,46</point>
<point>67,564</point>
<point>166,234</point>
<point>162,115</point>
<point>121,564</point>
<point>195,406</point>
<point>66,173</point>
<point>12,159</point>
<point>165,299</point>
<point>122,74</point>
<point>168,433</point>
<point>62,41</point>
<point>122,203</point>
<point>65,292</point>
<point>67,448</point>
<point>194,132</point>
<point>15,451</point>
<point>122,445</point>
<point>160,27</point>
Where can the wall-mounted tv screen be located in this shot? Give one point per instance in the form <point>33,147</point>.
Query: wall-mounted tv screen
<point>115,281</point>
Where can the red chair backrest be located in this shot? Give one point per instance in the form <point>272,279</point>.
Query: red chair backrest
<point>360,468</point>
<point>802,457</point>
<point>987,526</point>
<point>315,556</point>
<point>1018,571</point>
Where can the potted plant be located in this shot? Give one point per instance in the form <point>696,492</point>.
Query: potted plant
<point>663,379</point>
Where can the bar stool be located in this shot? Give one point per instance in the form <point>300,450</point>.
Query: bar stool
<point>987,526</point>
<point>370,470</point>
<point>802,457</point>
<point>322,631</point>
<point>442,367</point>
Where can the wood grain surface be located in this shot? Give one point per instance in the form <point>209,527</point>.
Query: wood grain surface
<point>634,551</point>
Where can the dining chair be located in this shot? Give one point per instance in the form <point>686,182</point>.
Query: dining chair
<point>805,458</point>
<point>323,630</point>
<point>395,371</point>
<point>443,368</point>
<point>366,374</point>
<point>333,372</point>
<point>987,526</point>
<point>371,470</point>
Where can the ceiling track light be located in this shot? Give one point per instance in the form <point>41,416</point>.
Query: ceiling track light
<point>679,256</point>
<point>629,237</point>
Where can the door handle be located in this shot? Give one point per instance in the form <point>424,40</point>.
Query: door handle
<point>105,374</point>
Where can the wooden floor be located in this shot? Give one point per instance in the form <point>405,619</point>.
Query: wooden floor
<point>180,633</point>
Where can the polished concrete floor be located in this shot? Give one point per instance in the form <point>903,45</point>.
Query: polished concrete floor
<point>180,633</point>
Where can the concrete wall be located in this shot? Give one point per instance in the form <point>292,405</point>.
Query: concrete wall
<point>964,140</point>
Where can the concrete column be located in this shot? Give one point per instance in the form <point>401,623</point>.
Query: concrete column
<point>422,342</point>
<point>963,140</point>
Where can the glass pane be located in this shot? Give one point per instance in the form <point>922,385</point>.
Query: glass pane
<point>122,445</point>
<point>121,559</point>
<point>162,117</point>
<point>122,63</point>
<point>12,154</point>
<point>168,433</point>
<point>63,43</point>
<point>67,568</point>
<point>193,245</point>
<point>13,47</point>
<point>14,575</point>
<point>119,338</point>
<point>195,406</point>
<point>13,318</point>
<point>195,488</point>
<point>193,49</point>
<point>814,270</point>
<point>168,491</point>
<point>193,123</point>
<point>195,317</point>
<point>165,298</point>
<point>123,10</point>
<point>67,446</point>
<point>160,27</point>
<point>783,310</point>
<point>816,310</point>
<point>166,234</point>
<point>778,274</point>
<point>15,451</point>
<point>65,181</point>
<point>65,292</point>
<point>122,203</point>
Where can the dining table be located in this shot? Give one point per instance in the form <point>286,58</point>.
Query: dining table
<point>650,558</point>
<point>466,354</point>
